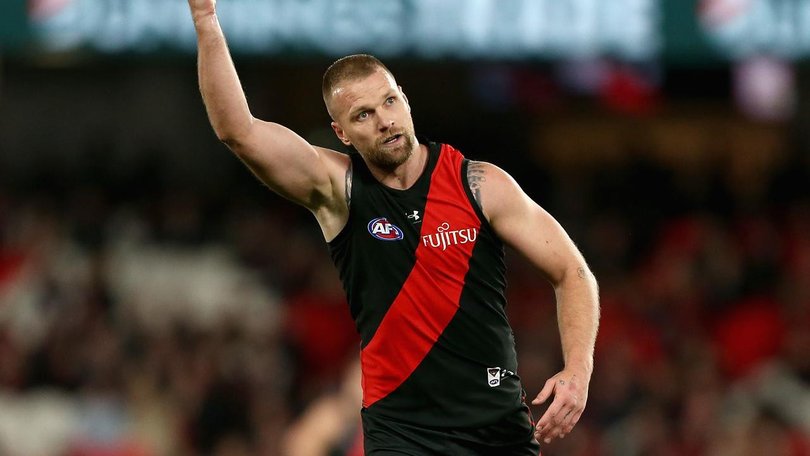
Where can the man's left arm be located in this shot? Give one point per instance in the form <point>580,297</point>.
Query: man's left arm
<point>533,232</point>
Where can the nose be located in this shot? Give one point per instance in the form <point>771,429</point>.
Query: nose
<point>385,124</point>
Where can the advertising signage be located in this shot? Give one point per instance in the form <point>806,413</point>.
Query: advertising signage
<point>678,30</point>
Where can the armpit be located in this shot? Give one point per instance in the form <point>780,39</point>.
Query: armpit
<point>348,185</point>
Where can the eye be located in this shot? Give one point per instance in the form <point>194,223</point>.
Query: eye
<point>390,100</point>
<point>363,115</point>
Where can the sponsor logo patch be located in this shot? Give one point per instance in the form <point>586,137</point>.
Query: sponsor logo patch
<point>384,230</point>
<point>445,237</point>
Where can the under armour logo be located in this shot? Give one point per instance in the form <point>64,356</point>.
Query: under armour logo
<point>415,216</point>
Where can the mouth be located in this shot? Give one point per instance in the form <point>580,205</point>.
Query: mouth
<point>393,139</point>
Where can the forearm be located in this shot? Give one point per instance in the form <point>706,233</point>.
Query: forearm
<point>578,317</point>
<point>221,90</point>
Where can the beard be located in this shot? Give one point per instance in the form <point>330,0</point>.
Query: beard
<point>390,158</point>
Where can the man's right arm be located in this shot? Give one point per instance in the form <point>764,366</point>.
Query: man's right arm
<point>311,176</point>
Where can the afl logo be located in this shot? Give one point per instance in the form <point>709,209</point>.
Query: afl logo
<point>384,230</point>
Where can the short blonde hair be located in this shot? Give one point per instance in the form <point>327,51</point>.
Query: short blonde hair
<point>348,68</point>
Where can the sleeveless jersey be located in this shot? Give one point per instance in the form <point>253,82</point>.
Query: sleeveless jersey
<point>424,275</point>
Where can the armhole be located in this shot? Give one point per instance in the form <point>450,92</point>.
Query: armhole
<point>465,183</point>
<point>349,184</point>
<point>351,195</point>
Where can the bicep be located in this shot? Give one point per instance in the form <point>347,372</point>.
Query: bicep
<point>289,165</point>
<point>528,228</point>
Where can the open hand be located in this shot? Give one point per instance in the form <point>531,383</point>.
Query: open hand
<point>570,391</point>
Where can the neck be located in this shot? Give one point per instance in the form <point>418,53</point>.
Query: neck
<point>405,175</point>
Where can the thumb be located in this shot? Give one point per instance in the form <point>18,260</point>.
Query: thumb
<point>548,388</point>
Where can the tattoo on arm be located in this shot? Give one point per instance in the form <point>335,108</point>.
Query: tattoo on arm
<point>475,176</point>
<point>581,272</point>
<point>349,185</point>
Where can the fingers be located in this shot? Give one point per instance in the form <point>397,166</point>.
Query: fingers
<point>563,413</point>
<point>548,388</point>
<point>557,427</point>
<point>572,422</point>
<point>549,425</point>
<point>569,421</point>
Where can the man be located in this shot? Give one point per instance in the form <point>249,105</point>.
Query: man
<point>417,234</point>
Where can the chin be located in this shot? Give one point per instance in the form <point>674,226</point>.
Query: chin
<point>391,158</point>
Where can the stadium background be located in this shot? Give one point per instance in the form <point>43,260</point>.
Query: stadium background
<point>155,299</point>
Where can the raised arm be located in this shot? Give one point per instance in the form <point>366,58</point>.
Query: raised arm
<point>311,176</point>
<point>524,225</point>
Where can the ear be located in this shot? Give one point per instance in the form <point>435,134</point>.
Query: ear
<point>341,134</point>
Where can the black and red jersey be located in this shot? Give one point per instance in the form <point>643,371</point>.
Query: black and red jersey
<point>424,275</point>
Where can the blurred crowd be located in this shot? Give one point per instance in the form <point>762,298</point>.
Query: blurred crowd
<point>173,323</point>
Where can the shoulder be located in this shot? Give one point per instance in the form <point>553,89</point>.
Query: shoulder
<point>491,186</point>
<point>488,172</point>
